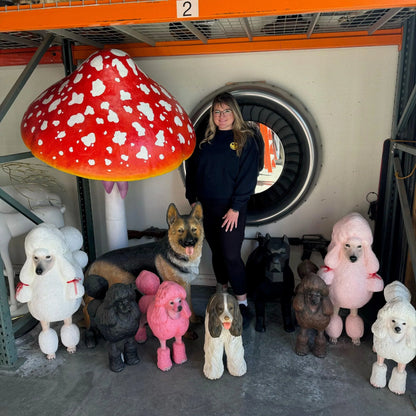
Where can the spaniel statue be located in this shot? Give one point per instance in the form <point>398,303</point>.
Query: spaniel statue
<point>223,331</point>
<point>168,317</point>
<point>313,309</point>
<point>394,337</point>
<point>350,271</point>
<point>51,283</point>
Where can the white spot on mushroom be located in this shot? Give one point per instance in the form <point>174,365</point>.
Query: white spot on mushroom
<point>143,153</point>
<point>99,120</point>
<point>76,98</point>
<point>165,105</point>
<point>91,162</point>
<point>105,105</point>
<point>125,158</point>
<point>178,121</point>
<point>97,63</point>
<point>170,130</point>
<point>98,88</point>
<point>132,65</point>
<point>118,52</point>
<point>112,117</point>
<point>107,162</point>
<point>165,92</point>
<point>61,135</point>
<point>119,137</point>
<point>88,110</point>
<point>179,108</point>
<point>190,129</point>
<point>56,123</point>
<point>61,153</point>
<point>89,139</point>
<point>44,125</point>
<point>76,119</point>
<point>146,110</point>
<point>40,142</point>
<point>173,149</point>
<point>125,95</point>
<point>30,115</point>
<point>32,129</point>
<point>109,149</point>
<point>78,78</point>
<point>38,113</point>
<point>128,109</point>
<point>117,79</point>
<point>122,70</point>
<point>161,157</point>
<point>145,89</point>
<point>140,130</point>
<point>160,136</point>
<point>48,100</point>
<point>162,117</point>
<point>181,139</point>
<point>71,149</point>
<point>155,90</point>
<point>62,86</point>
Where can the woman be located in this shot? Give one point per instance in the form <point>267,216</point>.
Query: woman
<point>222,174</point>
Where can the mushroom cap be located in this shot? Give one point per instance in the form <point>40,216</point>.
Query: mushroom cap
<point>108,121</point>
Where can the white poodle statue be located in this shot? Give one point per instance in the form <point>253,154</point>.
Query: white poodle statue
<point>394,337</point>
<point>350,271</point>
<point>51,282</point>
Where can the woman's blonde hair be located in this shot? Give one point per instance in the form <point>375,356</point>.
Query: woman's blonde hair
<point>241,130</point>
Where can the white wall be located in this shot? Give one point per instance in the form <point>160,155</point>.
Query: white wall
<point>349,92</point>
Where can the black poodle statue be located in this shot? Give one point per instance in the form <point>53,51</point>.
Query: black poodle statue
<point>115,313</point>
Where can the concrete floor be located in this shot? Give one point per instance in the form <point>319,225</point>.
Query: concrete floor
<point>278,382</point>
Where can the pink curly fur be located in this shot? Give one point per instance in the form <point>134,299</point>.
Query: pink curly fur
<point>351,273</point>
<point>168,317</point>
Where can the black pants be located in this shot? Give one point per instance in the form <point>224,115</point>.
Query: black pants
<point>226,246</point>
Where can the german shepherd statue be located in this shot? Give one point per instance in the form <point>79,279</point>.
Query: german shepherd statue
<point>175,257</point>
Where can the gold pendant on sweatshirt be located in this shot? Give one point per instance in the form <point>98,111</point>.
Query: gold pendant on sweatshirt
<point>233,145</point>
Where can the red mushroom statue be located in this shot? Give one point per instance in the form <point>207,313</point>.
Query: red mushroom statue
<point>109,121</point>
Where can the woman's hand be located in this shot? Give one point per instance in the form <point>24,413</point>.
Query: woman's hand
<point>230,220</point>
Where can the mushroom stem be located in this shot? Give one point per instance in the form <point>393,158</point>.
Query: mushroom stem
<point>115,217</point>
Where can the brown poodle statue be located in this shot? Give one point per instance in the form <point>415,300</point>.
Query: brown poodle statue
<point>115,313</point>
<point>394,338</point>
<point>313,309</point>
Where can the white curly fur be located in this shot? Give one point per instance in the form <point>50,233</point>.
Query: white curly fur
<point>394,337</point>
<point>350,272</point>
<point>51,282</point>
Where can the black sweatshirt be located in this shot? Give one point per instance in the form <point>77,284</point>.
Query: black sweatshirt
<point>215,172</point>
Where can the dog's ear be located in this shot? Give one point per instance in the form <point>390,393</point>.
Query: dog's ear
<point>214,324</point>
<point>197,212</point>
<point>327,306</point>
<point>411,337</point>
<point>371,262</point>
<point>186,310</point>
<point>333,257</point>
<point>237,326</point>
<point>379,327</point>
<point>299,299</point>
<point>172,214</point>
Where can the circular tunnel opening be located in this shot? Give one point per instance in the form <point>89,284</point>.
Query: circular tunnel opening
<point>293,148</point>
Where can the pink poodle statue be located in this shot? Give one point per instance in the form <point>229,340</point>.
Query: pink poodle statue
<point>350,271</point>
<point>147,284</point>
<point>168,317</point>
<point>51,282</point>
<point>394,338</point>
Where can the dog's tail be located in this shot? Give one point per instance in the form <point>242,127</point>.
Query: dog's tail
<point>396,289</point>
<point>147,283</point>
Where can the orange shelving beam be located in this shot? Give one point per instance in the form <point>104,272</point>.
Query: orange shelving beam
<point>103,13</point>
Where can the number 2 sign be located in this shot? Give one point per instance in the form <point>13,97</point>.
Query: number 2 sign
<point>187,8</point>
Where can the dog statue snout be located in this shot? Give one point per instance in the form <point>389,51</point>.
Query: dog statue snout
<point>39,271</point>
<point>353,259</point>
<point>179,308</point>
<point>397,329</point>
<point>189,242</point>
